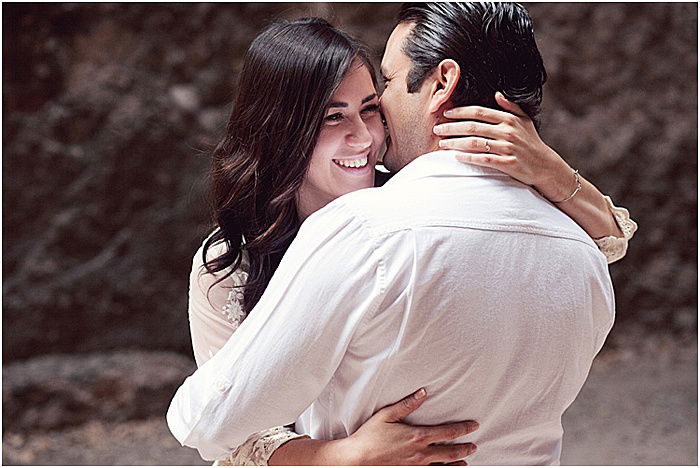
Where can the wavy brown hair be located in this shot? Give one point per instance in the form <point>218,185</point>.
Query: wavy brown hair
<point>290,73</point>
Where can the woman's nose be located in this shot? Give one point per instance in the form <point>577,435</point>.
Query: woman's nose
<point>360,136</point>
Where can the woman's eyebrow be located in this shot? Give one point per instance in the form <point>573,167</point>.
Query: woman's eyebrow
<point>345,104</point>
<point>369,98</point>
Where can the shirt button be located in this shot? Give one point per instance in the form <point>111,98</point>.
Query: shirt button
<point>220,386</point>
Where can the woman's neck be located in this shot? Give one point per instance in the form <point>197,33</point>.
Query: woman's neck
<point>308,203</point>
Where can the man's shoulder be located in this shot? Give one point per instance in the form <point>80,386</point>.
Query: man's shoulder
<point>355,207</point>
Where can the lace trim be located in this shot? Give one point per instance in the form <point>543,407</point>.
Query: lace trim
<point>259,447</point>
<point>233,308</point>
<point>615,248</point>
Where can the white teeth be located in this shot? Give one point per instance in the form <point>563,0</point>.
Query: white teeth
<point>354,163</point>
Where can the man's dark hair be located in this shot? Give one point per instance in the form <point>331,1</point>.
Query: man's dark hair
<point>493,43</point>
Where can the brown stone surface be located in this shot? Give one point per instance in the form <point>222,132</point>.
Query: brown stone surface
<point>58,391</point>
<point>638,407</point>
<point>109,110</point>
<point>145,442</point>
<point>108,113</point>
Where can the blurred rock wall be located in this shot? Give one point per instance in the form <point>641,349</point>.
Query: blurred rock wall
<point>109,111</point>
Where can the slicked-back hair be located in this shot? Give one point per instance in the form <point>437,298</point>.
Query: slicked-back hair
<point>493,43</point>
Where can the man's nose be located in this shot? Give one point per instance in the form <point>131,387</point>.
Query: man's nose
<point>381,111</point>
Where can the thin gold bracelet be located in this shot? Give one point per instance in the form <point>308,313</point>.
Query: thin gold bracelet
<point>578,188</point>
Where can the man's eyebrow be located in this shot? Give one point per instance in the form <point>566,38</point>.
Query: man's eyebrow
<point>345,104</point>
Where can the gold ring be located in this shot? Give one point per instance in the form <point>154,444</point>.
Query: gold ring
<point>488,148</point>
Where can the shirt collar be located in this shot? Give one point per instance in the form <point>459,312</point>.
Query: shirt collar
<point>439,164</point>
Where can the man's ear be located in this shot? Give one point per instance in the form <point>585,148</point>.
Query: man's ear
<point>446,76</point>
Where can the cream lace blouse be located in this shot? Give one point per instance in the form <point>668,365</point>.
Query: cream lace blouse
<point>216,313</point>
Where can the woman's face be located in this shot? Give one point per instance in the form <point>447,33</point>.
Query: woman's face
<point>348,144</point>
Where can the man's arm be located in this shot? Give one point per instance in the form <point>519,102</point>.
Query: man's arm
<point>288,348</point>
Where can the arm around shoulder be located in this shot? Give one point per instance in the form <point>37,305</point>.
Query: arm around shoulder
<point>326,284</point>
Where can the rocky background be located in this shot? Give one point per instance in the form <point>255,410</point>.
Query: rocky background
<point>109,112</point>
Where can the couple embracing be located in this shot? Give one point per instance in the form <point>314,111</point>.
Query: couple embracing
<point>474,280</point>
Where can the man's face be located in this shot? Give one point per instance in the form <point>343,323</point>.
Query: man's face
<point>407,116</point>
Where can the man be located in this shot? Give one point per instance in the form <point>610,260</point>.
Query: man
<point>450,276</point>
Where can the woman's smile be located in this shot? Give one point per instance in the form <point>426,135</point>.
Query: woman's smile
<point>357,165</point>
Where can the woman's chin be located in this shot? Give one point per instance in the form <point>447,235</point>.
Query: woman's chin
<point>354,185</point>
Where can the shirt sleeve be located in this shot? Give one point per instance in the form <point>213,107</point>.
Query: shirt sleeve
<point>615,248</point>
<point>212,320</point>
<point>286,351</point>
<point>215,311</point>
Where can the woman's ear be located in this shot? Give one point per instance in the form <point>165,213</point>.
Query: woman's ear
<point>445,81</point>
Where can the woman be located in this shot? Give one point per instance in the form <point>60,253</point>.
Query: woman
<point>306,128</point>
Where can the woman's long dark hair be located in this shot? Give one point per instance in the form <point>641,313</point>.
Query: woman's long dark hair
<point>290,73</point>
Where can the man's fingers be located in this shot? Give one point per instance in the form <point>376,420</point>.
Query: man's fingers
<point>483,114</point>
<point>508,105</point>
<point>404,407</point>
<point>449,454</point>
<point>485,159</point>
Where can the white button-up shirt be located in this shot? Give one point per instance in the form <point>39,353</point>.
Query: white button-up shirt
<point>451,276</point>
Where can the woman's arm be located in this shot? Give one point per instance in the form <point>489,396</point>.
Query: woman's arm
<point>508,141</point>
<point>384,440</point>
<point>215,312</point>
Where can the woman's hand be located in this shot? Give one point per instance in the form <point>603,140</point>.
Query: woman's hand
<point>509,142</point>
<point>385,440</point>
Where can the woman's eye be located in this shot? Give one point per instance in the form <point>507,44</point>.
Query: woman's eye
<point>337,117</point>
<point>371,109</point>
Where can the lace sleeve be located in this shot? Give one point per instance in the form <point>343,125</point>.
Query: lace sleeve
<point>259,447</point>
<point>216,311</point>
<point>214,308</point>
<point>615,248</point>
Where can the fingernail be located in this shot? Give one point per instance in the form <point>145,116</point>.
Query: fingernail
<point>448,113</point>
<point>420,393</point>
<point>442,143</point>
<point>437,129</point>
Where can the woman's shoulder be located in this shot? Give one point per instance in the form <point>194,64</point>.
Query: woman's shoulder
<point>215,250</point>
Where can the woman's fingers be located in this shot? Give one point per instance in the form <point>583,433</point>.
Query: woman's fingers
<point>449,453</point>
<point>508,105</point>
<point>468,128</point>
<point>486,159</point>
<point>486,114</point>
<point>483,114</point>
<point>478,145</point>
<point>403,407</point>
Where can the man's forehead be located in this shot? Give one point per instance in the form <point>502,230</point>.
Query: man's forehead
<point>393,51</point>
